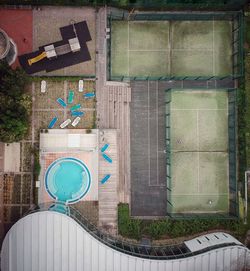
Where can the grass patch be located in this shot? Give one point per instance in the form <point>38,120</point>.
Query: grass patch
<point>245,115</point>
<point>247,33</point>
<point>168,228</point>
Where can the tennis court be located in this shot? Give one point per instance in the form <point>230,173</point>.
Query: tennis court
<point>171,48</point>
<point>148,156</point>
<point>199,151</point>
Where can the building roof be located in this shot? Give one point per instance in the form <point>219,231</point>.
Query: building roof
<point>53,241</point>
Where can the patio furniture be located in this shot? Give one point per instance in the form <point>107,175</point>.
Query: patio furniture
<point>80,86</point>
<point>65,123</point>
<point>61,102</point>
<point>105,179</point>
<point>43,86</point>
<point>76,121</point>
<point>70,97</point>
<point>89,95</point>
<point>104,148</point>
<point>77,113</point>
<point>75,107</point>
<point>107,158</point>
<point>52,123</point>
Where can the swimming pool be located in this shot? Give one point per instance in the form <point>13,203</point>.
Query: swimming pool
<point>67,180</point>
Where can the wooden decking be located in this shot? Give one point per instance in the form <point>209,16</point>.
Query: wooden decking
<point>107,192</point>
<point>1,191</point>
<point>113,112</point>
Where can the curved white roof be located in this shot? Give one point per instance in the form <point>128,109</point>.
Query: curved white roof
<point>52,241</point>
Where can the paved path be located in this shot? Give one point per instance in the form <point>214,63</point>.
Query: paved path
<point>113,112</point>
<point>148,158</point>
<point>107,192</point>
<point>1,191</point>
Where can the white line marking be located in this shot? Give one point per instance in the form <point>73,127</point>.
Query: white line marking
<point>213,51</point>
<point>167,50</point>
<point>193,49</point>
<point>128,50</point>
<point>149,50</point>
<point>170,38</point>
<point>179,151</point>
<point>201,194</point>
<point>203,109</point>
<point>198,147</point>
<point>149,173</point>
<point>157,131</point>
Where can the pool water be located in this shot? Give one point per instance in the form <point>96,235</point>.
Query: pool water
<point>67,180</point>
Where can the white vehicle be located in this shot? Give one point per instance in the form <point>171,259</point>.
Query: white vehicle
<point>80,86</point>
<point>65,123</point>
<point>76,121</point>
<point>43,86</point>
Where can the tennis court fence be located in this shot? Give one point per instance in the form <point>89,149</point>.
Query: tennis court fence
<point>236,17</point>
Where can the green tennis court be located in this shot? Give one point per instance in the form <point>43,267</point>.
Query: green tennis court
<point>199,151</point>
<point>171,48</point>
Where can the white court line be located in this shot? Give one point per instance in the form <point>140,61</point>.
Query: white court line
<point>223,194</point>
<point>194,49</point>
<point>149,173</point>
<point>149,50</point>
<point>157,130</point>
<point>178,151</point>
<point>166,50</point>
<point>204,109</point>
<point>198,146</point>
<point>213,51</point>
<point>128,50</point>
<point>170,38</point>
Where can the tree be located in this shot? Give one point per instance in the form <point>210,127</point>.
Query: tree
<point>15,104</point>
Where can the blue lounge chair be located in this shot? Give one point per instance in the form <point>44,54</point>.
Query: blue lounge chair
<point>77,113</point>
<point>71,97</point>
<point>104,148</point>
<point>75,107</point>
<point>52,123</point>
<point>61,102</point>
<point>104,180</point>
<point>107,158</point>
<point>89,95</point>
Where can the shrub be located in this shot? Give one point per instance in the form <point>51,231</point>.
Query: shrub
<point>134,228</point>
<point>15,104</point>
<point>37,167</point>
<point>157,229</point>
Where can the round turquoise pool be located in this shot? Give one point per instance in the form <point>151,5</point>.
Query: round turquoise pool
<point>67,180</point>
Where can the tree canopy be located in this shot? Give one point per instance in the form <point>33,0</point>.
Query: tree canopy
<point>15,104</point>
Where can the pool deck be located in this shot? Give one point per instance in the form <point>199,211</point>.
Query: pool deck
<point>51,150</point>
<point>107,192</point>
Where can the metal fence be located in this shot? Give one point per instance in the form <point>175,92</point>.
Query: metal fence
<point>145,4</point>
<point>168,150</point>
<point>232,153</point>
<point>237,40</point>
<point>167,252</point>
<point>225,4</point>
